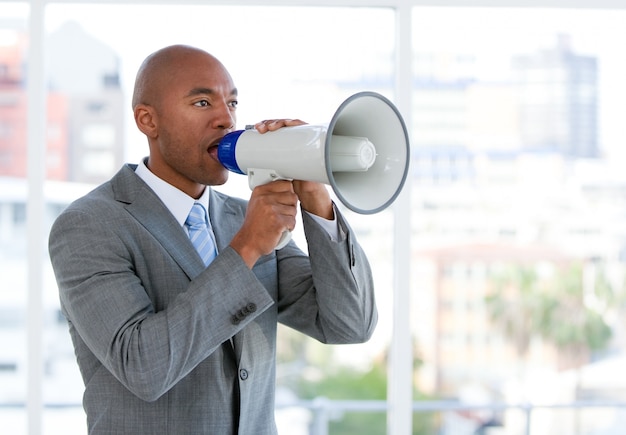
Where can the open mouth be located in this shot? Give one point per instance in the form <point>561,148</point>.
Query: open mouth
<point>212,149</point>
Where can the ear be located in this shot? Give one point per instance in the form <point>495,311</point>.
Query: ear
<point>146,120</point>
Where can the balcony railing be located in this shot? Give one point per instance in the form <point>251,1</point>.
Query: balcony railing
<point>69,419</point>
<point>324,410</point>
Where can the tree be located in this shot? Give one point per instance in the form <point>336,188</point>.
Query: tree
<point>516,305</point>
<point>341,383</point>
<point>568,322</point>
<point>525,306</point>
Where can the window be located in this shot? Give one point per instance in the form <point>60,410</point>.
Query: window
<point>98,136</point>
<point>516,122</point>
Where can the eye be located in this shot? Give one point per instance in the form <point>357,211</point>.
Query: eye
<point>202,103</point>
<point>234,104</point>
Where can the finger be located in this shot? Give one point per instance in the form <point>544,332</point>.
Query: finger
<point>287,201</point>
<point>294,122</point>
<point>275,124</point>
<point>285,216</point>
<point>276,212</point>
<point>266,125</point>
<point>276,186</point>
<point>282,200</point>
<point>261,127</point>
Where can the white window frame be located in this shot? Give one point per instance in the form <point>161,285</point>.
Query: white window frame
<point>399,393</point>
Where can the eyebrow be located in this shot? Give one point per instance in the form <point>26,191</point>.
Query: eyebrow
<point>208,91</point>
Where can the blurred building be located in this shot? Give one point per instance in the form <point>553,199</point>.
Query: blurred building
<point>85,113</point>
<point>459,344</point>
<point>505,173</point>
<point>84,145</point>
<point>521,210</point>
<point>547,106</point>
<point>558,100</point>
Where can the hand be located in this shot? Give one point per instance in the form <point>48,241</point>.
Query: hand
<point>314,198</point>
<point>271,210</point>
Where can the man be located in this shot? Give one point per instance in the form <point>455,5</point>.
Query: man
<point>165,343</point>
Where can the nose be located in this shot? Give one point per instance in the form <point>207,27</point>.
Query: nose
<point>225,118</point>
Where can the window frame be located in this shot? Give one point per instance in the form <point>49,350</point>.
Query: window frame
<point>399,392</point>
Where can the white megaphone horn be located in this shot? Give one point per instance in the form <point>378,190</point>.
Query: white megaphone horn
<point>363,154</point>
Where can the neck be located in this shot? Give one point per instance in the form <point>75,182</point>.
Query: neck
<point>191,188</point>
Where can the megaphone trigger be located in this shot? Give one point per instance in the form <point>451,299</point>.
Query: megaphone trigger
<point>260,176</point>
<point>363,153</point>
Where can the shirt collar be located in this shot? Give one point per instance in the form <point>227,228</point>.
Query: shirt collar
<point>176,201</point>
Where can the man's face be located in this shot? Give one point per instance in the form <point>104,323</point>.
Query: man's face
<point>196,109</point>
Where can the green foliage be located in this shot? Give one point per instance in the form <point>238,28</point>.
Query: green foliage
<point>349,384</point>
<point>554,309</point>
<point>517,305</point>
<point>567,321</point>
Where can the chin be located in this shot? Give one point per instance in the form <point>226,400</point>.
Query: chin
<point>218,179</point>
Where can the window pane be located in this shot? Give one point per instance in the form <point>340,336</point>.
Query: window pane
<point>13,273</point>
<point>517,202</point>
<point>283,66</point>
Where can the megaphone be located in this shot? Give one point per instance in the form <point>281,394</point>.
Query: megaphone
<point>363,154</point>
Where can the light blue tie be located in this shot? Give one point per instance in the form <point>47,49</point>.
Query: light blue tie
<point>200,234</point>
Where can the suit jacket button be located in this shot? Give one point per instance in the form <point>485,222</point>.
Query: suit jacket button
<point>243,374</point>
<point>235,320</point>
<point>251,308</point>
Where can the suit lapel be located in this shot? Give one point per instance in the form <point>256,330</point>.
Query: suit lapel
<point>143,204</point>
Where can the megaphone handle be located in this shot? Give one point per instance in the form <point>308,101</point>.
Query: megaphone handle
<point>257,177</point>
<point>284,239</point>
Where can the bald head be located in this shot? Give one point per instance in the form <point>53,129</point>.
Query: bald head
<point>161,67</point>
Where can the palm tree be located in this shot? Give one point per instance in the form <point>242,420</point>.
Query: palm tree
<point>567,322</point>
<point>515,305</point>
<point>524,306</point>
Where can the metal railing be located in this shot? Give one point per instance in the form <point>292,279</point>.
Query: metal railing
<point>323,410</point>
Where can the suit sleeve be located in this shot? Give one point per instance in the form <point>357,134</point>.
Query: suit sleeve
<point>334,301</point>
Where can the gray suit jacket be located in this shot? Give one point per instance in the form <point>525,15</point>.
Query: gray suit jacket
<point>152,327</point>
